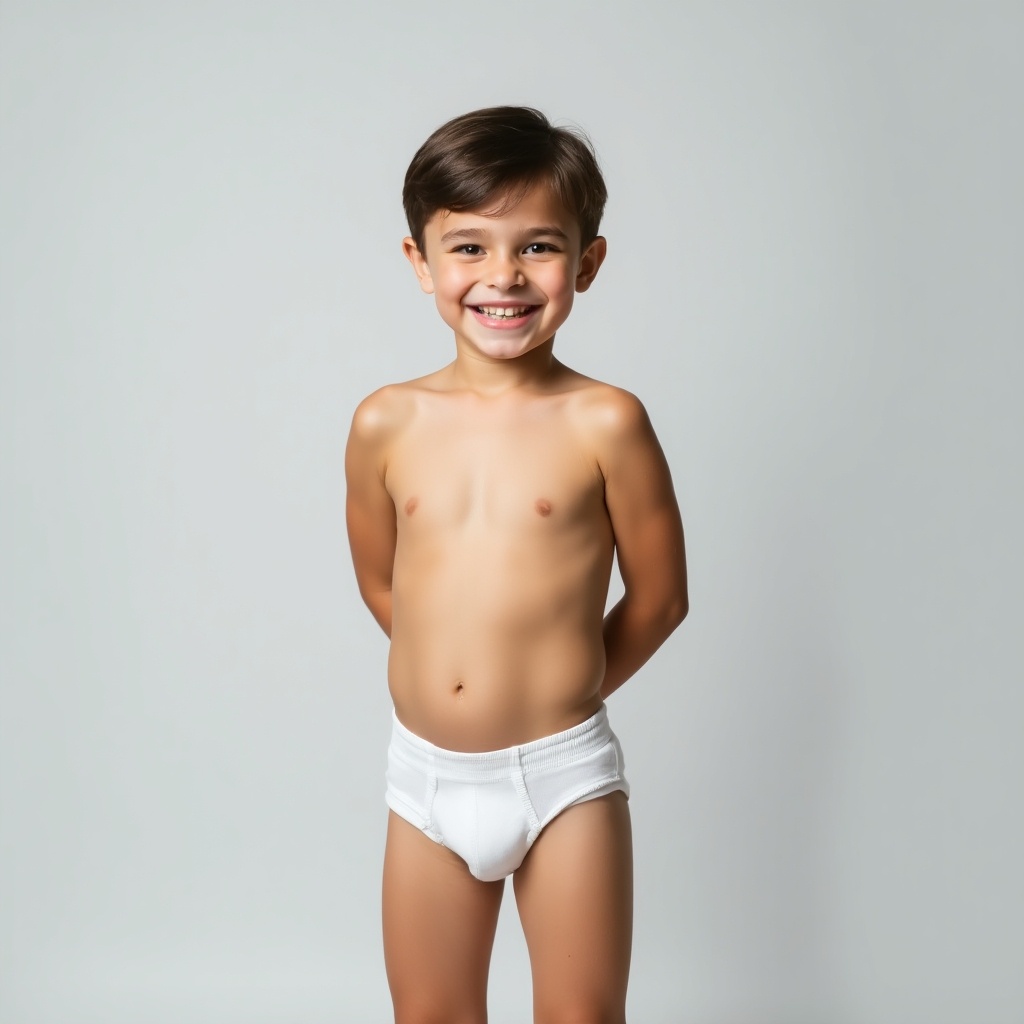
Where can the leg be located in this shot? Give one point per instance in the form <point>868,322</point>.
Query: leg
<point>439,924</point>
<point>575,898</point>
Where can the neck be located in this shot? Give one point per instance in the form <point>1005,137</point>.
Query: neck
<point>475,372</point>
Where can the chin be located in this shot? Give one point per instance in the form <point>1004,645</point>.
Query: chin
<point>505,355</point>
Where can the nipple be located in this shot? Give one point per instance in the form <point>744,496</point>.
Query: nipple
<point>410,506</point>
<point>543,506</point>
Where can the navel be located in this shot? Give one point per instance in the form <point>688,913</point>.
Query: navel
<point>459,688</point>
<point>410,506</point>
<point>543,506</point>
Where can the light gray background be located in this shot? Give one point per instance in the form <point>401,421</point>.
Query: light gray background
<point>814,283</point>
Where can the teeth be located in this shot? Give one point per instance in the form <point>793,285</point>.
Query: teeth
<point>503,313</point>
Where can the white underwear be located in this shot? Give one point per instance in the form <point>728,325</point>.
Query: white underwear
<point>490,807</point>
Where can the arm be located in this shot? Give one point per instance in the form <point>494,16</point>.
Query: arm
<point>369,510</point>
<point>648,540</point>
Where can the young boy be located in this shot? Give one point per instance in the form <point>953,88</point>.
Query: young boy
<point>485,502</point>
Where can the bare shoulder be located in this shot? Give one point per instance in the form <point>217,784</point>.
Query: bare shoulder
<point>378,421</point>
<point>614,428</point>
<point>385,413</point>
<point>607,413</point>
<point>382,414</point>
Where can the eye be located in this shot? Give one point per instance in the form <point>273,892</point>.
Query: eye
<point>539,248</point>
<point>468,249</point>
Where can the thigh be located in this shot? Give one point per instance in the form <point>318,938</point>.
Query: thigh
<point>575,897</point>
<point>439,924</point>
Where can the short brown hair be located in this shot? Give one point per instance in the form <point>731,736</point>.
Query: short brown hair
<point>503,151</point>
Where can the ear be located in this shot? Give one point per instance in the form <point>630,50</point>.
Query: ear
<point>590,263</point>
<point>419,264</point>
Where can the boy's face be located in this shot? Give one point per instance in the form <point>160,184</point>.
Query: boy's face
<point>505,282</point>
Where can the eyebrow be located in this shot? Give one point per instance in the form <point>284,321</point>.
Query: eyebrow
<point>473,233</point>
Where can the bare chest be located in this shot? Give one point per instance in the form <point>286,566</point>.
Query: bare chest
<point>504,476</point>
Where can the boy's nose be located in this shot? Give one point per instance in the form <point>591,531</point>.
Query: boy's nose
<point>505,273</point>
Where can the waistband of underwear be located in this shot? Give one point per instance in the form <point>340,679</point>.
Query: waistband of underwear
<point>548,752</point>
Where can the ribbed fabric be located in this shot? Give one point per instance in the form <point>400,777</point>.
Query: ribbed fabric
<point>554,751</point>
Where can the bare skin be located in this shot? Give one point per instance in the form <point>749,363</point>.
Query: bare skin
<point>485,504</point>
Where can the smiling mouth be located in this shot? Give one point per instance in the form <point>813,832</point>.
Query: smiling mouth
<point>504,312</point>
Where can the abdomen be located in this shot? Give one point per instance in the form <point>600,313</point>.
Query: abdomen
<point>496,640</point>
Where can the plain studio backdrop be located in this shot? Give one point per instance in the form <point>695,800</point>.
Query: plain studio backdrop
<point>814,283</point>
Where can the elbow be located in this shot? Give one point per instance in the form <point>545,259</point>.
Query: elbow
<point>678,610</point>
<point>665,615</point>
<point>378,600</point>
<point>678,605</point>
